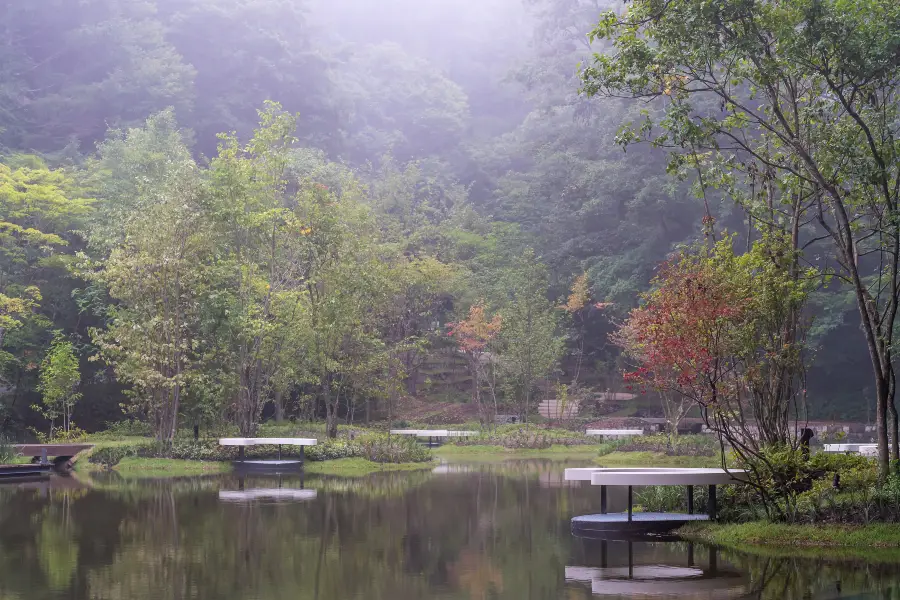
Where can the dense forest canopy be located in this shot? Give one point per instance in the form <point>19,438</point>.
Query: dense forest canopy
<point>235,209</point>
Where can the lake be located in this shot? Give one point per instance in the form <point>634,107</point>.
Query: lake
<point>460,531</point>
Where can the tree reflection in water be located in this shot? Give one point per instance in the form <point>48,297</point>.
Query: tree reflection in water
<point>482,531</point>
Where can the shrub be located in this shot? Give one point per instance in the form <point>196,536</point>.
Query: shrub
<point>668,498</point>
<point>393,449</point>
<point>74,434</point>
<point>187,449</point>
<point>110,456</point>
<point>332,449</point>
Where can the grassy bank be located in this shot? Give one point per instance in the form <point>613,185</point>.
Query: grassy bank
<point>154,468</point>
<point>876,542</point>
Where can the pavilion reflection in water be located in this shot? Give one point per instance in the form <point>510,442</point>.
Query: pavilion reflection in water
<point>282,488</point>
<point>656,569</point>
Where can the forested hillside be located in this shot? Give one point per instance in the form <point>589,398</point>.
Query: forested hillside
<point>224,210</point>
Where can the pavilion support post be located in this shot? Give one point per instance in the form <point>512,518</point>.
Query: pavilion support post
<point>279,451</point>
<point>690,499</point>
<point>630,497</point>
<point>603,499</point>
<point>712,503</point>
<point>241,453</point>
<point>630,559</point>
<point>604,554</point>
<point>302,454</point>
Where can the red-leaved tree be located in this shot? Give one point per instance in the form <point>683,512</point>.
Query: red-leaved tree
<point>473,336</point>
<point>726,332</point>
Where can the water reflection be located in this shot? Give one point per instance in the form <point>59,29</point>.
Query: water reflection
<point>483,532</point>
<point>272,488</point>
<point>668,569</point>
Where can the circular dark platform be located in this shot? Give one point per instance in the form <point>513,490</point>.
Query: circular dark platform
<point>642,523</point>
<point>269,466</point>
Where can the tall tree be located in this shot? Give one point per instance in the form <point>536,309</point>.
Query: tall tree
<point>59,381</point>
<point>530,338</point>
<point>473,336</point>
<point>40,211</point>
<point>154,269</point>
<point>798,94</point>
<point>264,256</point>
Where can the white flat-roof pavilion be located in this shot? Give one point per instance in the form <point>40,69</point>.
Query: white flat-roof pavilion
<point>631,477</point>
<point>434,433</point>
<point>615,433</point>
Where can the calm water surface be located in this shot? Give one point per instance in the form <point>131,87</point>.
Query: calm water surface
<point>475,532</point>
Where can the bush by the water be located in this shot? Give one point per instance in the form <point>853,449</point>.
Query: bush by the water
<point>826,488</point>
<point>668,498</point>
<point>110,456</point>
<point>393,449</point>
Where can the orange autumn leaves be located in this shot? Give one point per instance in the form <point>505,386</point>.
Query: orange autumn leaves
<point>475,332</point>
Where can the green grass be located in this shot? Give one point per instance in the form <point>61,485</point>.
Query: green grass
<point>655,459</point>
<point>358,467</point>
<point>488,453</point>
<point>152,468</point>
<point>878,542</point>
<point>881,535</point>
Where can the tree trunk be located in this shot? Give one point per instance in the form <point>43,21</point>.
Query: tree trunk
<point>895,424</point>
<point>279,406</point>
<point>330,410</point>
<point>881,427</point>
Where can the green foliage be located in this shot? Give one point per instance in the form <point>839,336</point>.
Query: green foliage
<point>393,449</point>
<point>59,380</point>
<point>74,434</point>
<point>316,261</point>
<point>814,159</point>
<point>331,449</point>
<point>530,338</point>
<point>112,65</point>
<point>110,456</point>
<point>399,104</point>
<point>827,488</point>
<point>668,498</point>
